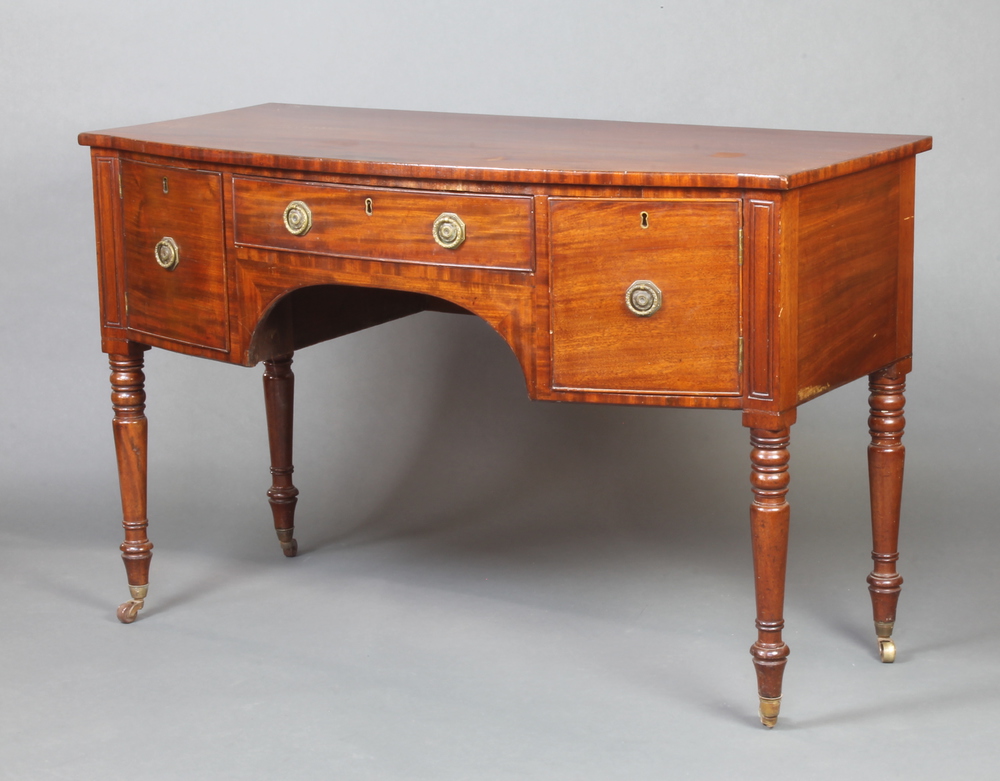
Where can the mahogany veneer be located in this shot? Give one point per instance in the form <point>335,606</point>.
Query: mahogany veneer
<point>630,263</point>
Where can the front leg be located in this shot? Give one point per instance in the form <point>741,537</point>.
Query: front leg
<point>279,403</point>
<point>769,515</point>
<point>885,478</point>
<point>128,397</point>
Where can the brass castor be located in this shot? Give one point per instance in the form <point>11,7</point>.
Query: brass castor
<point>769,707</point>
<point>886,648</point>
<point>127,611</point>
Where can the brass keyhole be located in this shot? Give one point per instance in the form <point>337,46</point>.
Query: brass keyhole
<point>644,219</point>
<point>368,206</point>
<point>166,187</point>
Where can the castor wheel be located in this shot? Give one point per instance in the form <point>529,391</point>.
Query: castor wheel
<point>127,611</point>
<point>886,650</point>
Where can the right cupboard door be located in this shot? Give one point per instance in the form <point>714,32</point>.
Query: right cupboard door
<point>645,295</point>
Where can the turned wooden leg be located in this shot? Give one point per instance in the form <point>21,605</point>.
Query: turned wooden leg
<point>769,533</point>
<point>129,401</point>
<point>885,478</point>
<point>279,401</point>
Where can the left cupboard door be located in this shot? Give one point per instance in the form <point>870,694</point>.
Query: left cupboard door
<point>175,274</point>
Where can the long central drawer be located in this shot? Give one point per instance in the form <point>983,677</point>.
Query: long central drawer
<point>412,226</point>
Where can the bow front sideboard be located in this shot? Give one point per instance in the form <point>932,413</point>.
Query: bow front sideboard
<point>626,263</point>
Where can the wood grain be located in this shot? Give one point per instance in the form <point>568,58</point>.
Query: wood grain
<point>498,228</point>
<point>690,250</point>
<point>762,293</point>
<point>108,216</point>
<point>848,283</point>
<point>509,149</point>
<point>188,303</point>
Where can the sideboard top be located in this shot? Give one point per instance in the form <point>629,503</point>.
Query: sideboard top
<point>425,145</point>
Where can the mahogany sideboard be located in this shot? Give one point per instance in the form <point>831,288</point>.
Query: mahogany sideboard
<point>627,263</point>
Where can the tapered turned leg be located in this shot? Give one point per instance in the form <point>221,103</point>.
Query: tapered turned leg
<point>279,398</point>
<point>769,533</point>
<point>885,478</point>
<point>129,400</point>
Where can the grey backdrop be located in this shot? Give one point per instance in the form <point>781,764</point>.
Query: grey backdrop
<point>488,587</point>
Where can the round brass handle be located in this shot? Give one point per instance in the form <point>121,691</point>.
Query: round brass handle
<point>449,230</point>
<point>298,218</point>
<point>643,298</point>
<point>168,254</point>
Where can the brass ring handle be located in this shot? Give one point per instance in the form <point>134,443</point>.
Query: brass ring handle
<point>643,298</point>
<point>168,254</point>
<point>298,218</point>
<point>449,230</point>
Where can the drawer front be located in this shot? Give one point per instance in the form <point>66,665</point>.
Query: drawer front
<point>689,251</point>
<point>386,224</point>
<point>185,302</point>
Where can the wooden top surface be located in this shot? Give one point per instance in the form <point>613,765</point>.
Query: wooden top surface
<point>415,144</point>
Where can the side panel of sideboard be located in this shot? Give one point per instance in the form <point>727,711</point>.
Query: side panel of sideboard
<point>855,279</point>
